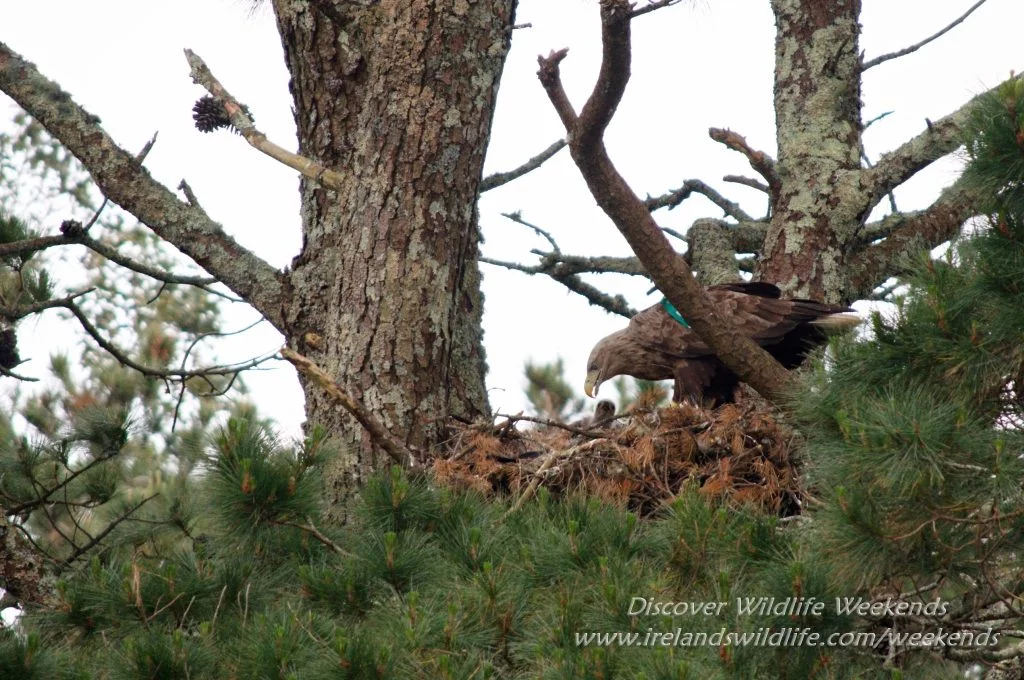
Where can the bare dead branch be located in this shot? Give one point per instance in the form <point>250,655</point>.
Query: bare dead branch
<point>913,233</point>
<point>125,360</point>
<point>762,163</point>
<point>517,217</point>
<point>873,231</point>
<point>669,271</point>
<point>201,75</point>
<point>511,419</point>
<point>399,452</point>
<point>551,265</point>
<point>747,181</point>
<point>616,57</point>
<point>938,139</point>
<point>551,80</point>
<point>916,46</point>
<point>21,311</point>
<point>499,178</point>
<point>602,264</point>
<point>564,270</point>
<point>124,181</point>
<point>128,263</point>
<point>75,234</point>
<point>691,186</point>
<point>31,245</point>
<point>653,5</point>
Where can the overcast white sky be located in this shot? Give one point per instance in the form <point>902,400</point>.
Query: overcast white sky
<point>702,64</point>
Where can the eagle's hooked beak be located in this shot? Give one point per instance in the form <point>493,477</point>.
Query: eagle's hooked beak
<point>592,383</point>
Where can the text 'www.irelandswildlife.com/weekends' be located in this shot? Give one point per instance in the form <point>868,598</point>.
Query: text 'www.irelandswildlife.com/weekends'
<point>789,637</point>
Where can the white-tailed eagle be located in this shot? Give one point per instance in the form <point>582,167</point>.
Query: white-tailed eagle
<point>658,344</point>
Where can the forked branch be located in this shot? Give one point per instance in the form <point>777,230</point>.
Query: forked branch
<point>875,262</point>
<point>761,162</point>
<point>670,271</point>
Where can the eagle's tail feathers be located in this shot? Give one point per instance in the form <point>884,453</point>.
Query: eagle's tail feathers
<point>838,322</point>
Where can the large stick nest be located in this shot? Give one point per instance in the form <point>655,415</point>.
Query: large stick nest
<point>739,452</point>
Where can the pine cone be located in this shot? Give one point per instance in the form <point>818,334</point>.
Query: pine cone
<point>209,115</point>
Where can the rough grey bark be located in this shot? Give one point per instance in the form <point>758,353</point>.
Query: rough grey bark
<point>815,244</point>
<point>399,97</point>
<point>818,126</point>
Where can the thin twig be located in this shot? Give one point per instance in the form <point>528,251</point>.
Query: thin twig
<point>586,432</point>
<point>311,529</point>
<point>43,497</point>
<point>14,313</point>
<point>655,4</point>
<point>535,482</point>
<point>518,219</point>
<point>616,304</point>
<point>867,163</point>
<point>690,186</point>
<point>124,360</point>
<point>915,47</point>
<point>747,181</point>
<point>497,179</point>
<point>545,466</point>
<point>103,534</point>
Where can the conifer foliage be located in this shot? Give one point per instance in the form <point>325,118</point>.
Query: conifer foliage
<point>916,436</point>
<point>913,448</point>
<point>425,583</point>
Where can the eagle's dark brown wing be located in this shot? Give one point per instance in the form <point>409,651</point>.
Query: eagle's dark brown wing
<point>767,320</point>
<point>656,346</point>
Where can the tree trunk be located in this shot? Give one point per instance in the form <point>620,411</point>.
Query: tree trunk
<point>817,210</point>
<point>398,96</point>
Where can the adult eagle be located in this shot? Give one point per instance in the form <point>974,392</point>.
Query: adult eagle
<point>658,344</point>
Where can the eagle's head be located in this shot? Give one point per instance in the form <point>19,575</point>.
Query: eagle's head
<point>606,361</point>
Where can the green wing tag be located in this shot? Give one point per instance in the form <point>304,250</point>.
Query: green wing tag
<point>673,312</point>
